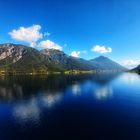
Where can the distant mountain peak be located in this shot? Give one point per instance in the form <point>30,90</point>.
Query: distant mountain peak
<point>102,57</point>
<point>106,63</point>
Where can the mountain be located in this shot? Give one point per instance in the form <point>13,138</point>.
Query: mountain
<point>104,63</point>
<point>16,58</point>
<point>56,59</point>
<point>137,69</point>
<point>20,58</point>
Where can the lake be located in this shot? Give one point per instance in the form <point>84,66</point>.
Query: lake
<point>102,106</point>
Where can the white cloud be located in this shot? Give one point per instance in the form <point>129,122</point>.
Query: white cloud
<point>101,49</point>
<point>29,35</point>
<point>130,63</point>
<point>47,44</point>
<point>47,34</point>
<point>75,53</point>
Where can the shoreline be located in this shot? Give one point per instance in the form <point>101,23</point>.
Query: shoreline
<point>68,72</point>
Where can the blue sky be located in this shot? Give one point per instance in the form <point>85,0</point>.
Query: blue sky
<point>85,28</point>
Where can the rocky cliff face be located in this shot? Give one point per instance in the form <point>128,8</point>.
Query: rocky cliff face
<point>56,56</point>
<point>20,58</point>
<point>10,51</point>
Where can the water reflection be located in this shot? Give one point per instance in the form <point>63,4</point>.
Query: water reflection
<point>10,93</point>
<point>76,89</point>
<point>24,87</point>
<point>19,88</point>
<point>105,77</point>
<point>49,100</point>
<point>27,112</point>
<point>30,110</point>
<point>31,95</point>
<point>47,105</point>
<point>103,92</point>
<point>130,78</point>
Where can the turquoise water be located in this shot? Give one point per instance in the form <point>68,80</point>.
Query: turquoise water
<point>102,106</point>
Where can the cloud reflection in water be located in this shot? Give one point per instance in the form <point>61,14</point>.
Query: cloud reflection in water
<point>49,100</point>
<point>130,78</point>
<point>31,110</point>
<point>25,112</point>
<point>76,89</point>
<point>103,92</point>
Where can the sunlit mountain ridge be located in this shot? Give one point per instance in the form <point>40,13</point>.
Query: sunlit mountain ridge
<point>19,58</point>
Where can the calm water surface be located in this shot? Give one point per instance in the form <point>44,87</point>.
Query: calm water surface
<point>102,106</point>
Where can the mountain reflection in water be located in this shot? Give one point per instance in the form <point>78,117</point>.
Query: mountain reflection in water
<point>18,88</point>
<point>77,105</point>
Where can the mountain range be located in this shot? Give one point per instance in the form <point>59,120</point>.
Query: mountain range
<point>20,58</point>
<point>137,69</point>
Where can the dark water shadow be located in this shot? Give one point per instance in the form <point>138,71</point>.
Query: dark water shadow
<point>20,87</point>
